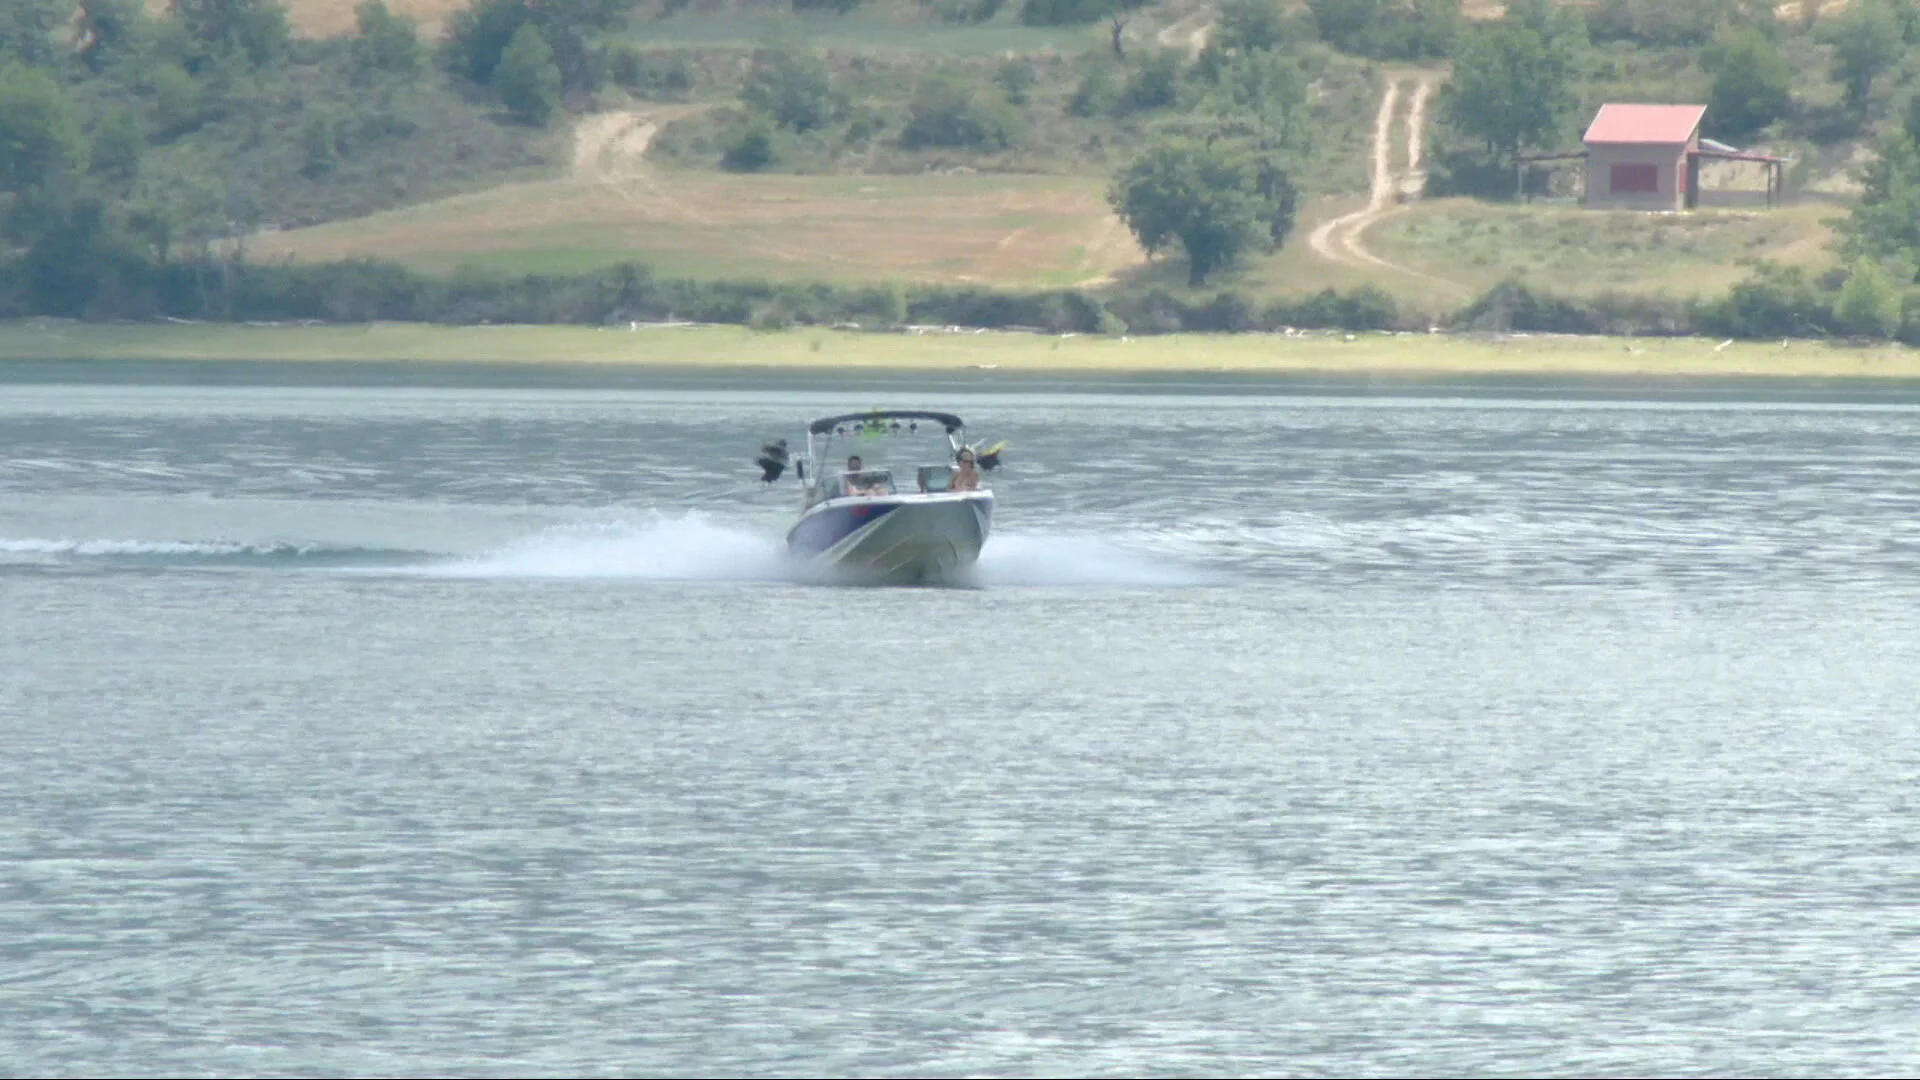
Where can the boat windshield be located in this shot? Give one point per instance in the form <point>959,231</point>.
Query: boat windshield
<point>870,482</point>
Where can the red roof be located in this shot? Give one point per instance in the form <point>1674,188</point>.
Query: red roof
<point>1645,123</point>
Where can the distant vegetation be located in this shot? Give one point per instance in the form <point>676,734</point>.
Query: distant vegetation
<point>144,151</point>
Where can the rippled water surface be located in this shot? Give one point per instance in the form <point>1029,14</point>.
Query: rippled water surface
<point>480,728</point>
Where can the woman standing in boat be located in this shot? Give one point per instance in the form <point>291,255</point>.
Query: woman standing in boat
<point>965,476</point>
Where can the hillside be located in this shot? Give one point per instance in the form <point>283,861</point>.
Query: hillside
<point>964,142</point>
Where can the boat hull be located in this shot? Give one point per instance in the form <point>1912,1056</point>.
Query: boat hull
<point>894,539</point>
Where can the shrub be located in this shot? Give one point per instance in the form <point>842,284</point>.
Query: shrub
<point>796,89</point>
<point>948,111</point>
<point>1870,303</point>
<point>752,149</point>
<point>527,79</point>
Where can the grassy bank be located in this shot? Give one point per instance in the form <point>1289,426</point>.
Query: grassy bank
<point>1007,230</point>
<point>735,347</point>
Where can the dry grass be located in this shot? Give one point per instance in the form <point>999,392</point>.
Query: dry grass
<point>330,18</point>
<point>1014,230</point>
<point>1582,252</point>
<point>1437,356</point>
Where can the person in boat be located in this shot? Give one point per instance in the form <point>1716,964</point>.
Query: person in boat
<point>857,482</point>
<point>965,476</point>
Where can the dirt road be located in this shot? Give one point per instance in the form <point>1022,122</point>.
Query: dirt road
<point>1340,240</point>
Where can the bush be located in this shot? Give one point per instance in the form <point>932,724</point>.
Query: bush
<point>752,149</point>
<point>1015,77</point>
<point>796,89</point>
<point>666,77</point>
<point>1154,83</point>
<point>1774,302</point>
<point>1064,12</point>
<point>527,79</point>
<point>948,111</point>
<point>1097,95</point>
<point>1870,303</point>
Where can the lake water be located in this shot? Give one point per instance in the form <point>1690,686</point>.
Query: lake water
<point>355,725</point>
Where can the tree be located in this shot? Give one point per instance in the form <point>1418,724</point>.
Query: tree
<point>1511,86</point>
<point>1752,83</point>
<point>111,30</point>
<point>257,30</point>
<point>1249,26</point>
<point>1217,199</point>
<point>1154,82</point>
<point>1073,12</point>
<point>1885,223</point>
<point>1867,39</point>
<point>527,79</point>
<point>385,42</point>
<point>28,30</point>
<point>1869,304</point>
<point>1664,22</point>
<point>118,144</point>
<point>1264,91</point>
<point>794,88</point>
<point>948,110</point>
<point>1345,24</point>
<point>40,143</point>
<point>478,35</point>
<point>751,150</point>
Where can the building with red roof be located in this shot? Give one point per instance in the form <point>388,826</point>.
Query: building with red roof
<point>1644,157</point>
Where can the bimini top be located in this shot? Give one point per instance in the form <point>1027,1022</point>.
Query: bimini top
<point>824,426</point>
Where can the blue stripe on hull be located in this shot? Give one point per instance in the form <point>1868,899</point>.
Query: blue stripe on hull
<point>822,529</point>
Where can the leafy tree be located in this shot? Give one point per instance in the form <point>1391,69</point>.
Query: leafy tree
<point>948,110</point>
<point>1015,77</point>
<point>477,36</point>
<point>1752,83</point>
<point>1867,40</point>
<point>751,150</point>
<point>794,88</point>
<point>1218,200</point>
<point>177,101</point>
<point>1154,82</point>
<point>1249,26</point>
<point>257,30</point>
<point>40,143</point>
<point>1097,93</point>
<point>321,149</point>
<point>1072,12</point>
<point>111,30</point>
<point>1512,86</point>
<point>385,42</point>
<point>1885,223</point>
<point>28,30</point>
<point>118,144</point>
<point>1664,22</point>
<point>1345,24</point>
<point>528,80</point>
<point>1388,29</point>
<point>1869,303</point>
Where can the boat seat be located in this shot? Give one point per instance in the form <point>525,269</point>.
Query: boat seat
<point>935,477</point>
<point>871,478</point>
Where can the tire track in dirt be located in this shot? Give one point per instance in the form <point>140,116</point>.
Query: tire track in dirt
<point>1176,33</point>
<point>610,150</point>
<point>1339,240</point>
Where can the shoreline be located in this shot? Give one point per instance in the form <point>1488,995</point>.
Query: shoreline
<point>1335,356</point>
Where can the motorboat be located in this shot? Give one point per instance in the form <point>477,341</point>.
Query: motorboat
<point>859,523</point>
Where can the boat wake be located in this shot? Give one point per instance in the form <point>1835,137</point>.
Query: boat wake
<point>689,547</point>
<point>656,547</point>
<point>692,547</point>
